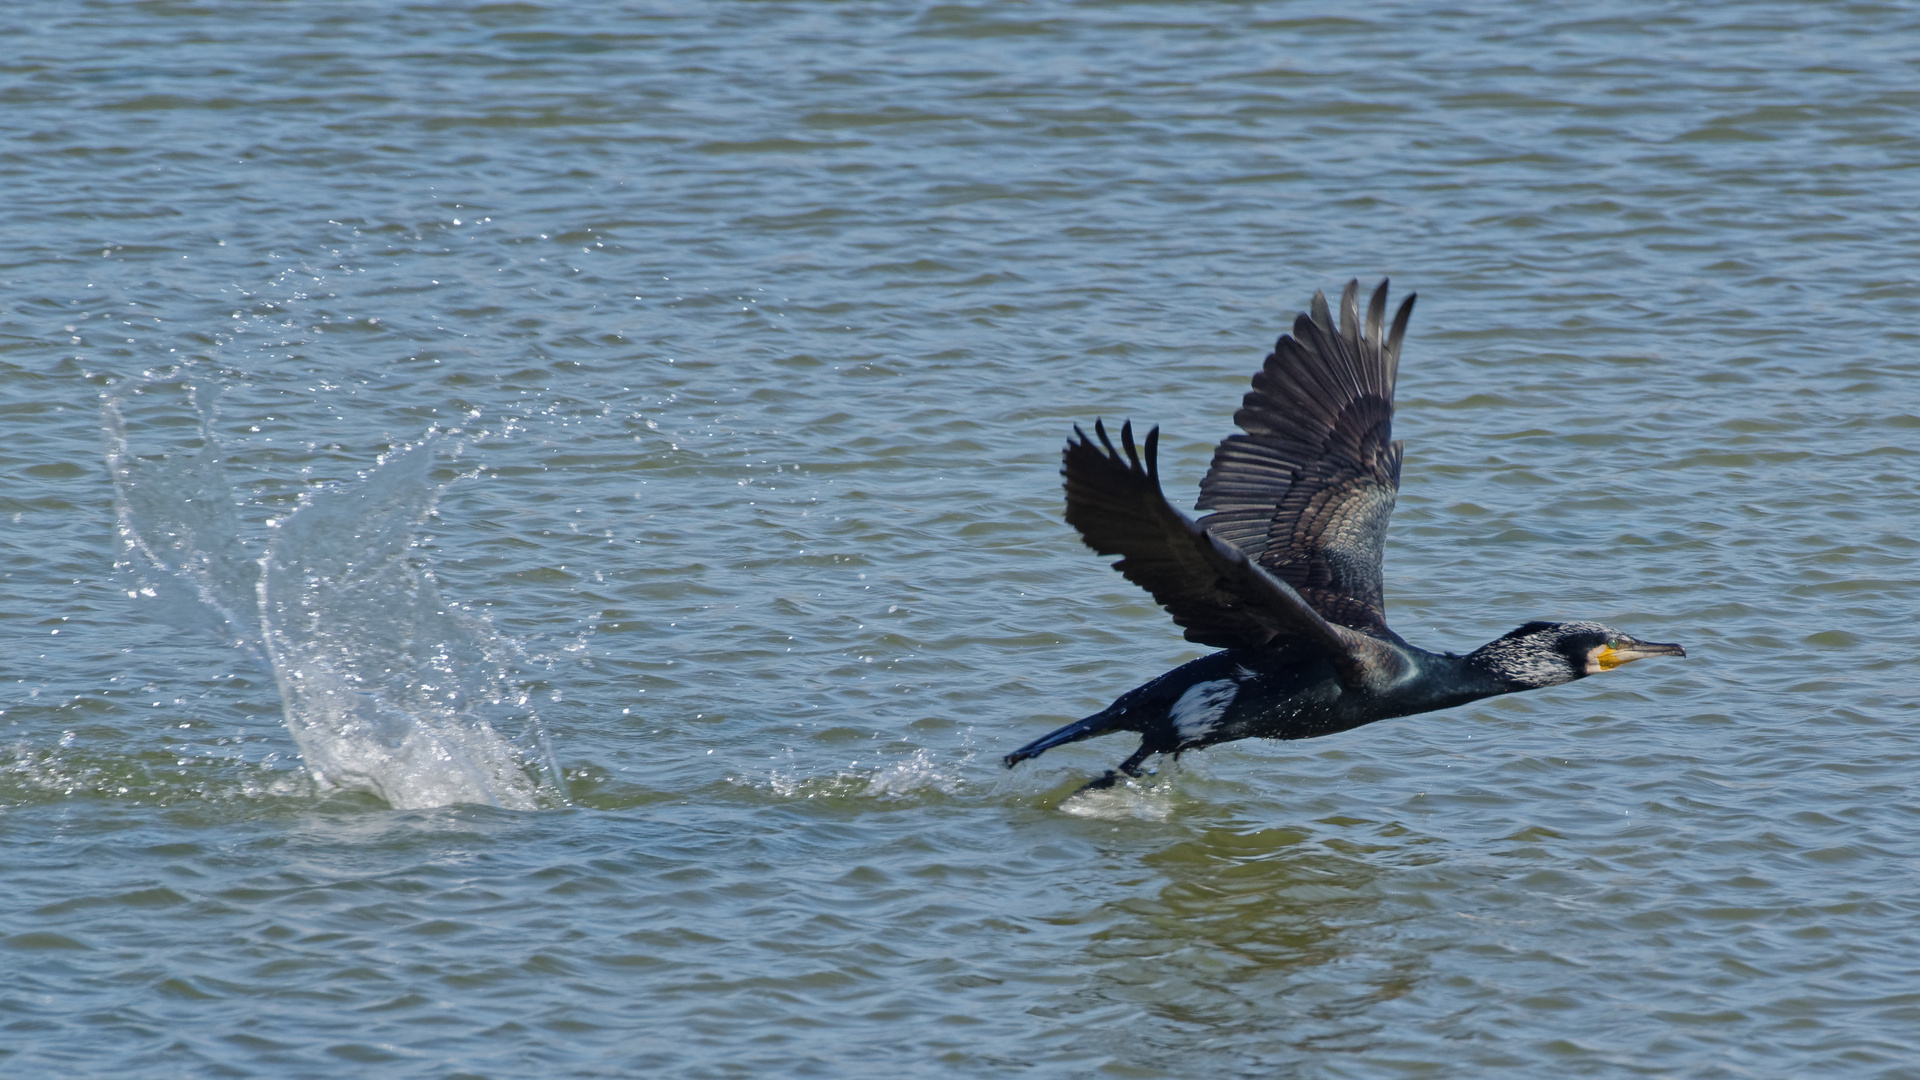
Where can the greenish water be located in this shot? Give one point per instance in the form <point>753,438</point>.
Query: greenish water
<point>752,333</point>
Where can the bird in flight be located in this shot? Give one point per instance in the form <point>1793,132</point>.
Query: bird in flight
<point>1284,574</point>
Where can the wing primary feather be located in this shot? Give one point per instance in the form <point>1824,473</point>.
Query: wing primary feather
<point>1320,316</point>
<point>1377,315</point>
<point>1399,331</point>
<point>1350,314</point>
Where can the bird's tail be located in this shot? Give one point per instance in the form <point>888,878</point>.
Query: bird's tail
<point>1098,724</point>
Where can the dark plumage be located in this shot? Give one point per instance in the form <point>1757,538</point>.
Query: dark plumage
<point>1284,575</point>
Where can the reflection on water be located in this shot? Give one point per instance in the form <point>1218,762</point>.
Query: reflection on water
<point>1247,941</point>
<point>386,686</point>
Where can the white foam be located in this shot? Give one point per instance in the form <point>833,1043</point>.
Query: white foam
<point>1128,800</point>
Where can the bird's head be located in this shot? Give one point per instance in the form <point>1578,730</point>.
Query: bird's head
<point>1550,653</point>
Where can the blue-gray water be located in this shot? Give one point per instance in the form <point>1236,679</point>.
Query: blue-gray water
<point>750,334</point>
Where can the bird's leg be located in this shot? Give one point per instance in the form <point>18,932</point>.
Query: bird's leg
<point>1131,767</point>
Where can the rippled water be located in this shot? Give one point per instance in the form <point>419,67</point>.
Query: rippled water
<point>751,334</point>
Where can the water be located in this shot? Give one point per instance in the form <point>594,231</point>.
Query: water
<point>695,376</point>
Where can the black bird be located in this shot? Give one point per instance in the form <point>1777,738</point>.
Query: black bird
<point>1284,575</point>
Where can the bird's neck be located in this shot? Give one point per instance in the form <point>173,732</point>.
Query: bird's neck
<point>1512,666</point>
<point>1449,680</point>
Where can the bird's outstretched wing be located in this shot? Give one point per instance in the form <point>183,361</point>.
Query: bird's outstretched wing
<point>1211,588</point>
<point>1307,491</point>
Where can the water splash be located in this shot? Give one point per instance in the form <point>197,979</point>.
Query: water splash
<point>386,686</point>
<point>916,775</point>
<point>179,516</point>
<point>1126,800</point>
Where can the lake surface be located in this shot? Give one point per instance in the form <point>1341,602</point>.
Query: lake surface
<point>719,357</point>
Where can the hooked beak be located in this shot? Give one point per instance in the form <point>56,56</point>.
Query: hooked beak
<point>1606,657</point>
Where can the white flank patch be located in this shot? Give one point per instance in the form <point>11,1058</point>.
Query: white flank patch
<point>1202,706</point>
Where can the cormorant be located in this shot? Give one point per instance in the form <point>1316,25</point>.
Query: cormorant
<point>1284,574</point>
